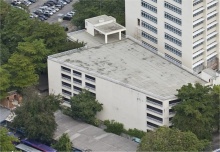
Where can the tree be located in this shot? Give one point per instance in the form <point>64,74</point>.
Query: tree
<point>5,82</point>
<point>84,106</point>
<point>4,53</point>
<point>215,94</point>
<point>4,9</point>
<point>166,139</point>
<point>35,116</point>
<point>22,71</point>
<point>195,111</point>
<point>17,25</point>
<point>86,9</point>
<point>6,140</point>
<point>36,51</point>
<point>63,144</point>
<point>53,35</point>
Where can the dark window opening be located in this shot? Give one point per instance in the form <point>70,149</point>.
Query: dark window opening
<point>138,22</point>
<point>155,109</point>
<point>77,81</point>
<point>66,99</point>
<point>66,84</point>
<point>152,124</point>
<point>90,78</point>
<point>66,76</point>
<point>174,101</point>
<point>154,101</point>
<point>154,117</point>
<point>66,92</point>
<point>77,73</point>
<point>93,94</point>
<point>171,111</point>
<point>65,69</point>
<point>77,89</point>
<point>90,86</point>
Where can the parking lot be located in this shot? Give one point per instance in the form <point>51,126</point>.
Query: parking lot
<point>55,17</point>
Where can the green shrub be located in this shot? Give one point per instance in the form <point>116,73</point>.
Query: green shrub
<point>97,122</point>
<point>114,127</point>
<point>67,111</point>
<point>135,133</point>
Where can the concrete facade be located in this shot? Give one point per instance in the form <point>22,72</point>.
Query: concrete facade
<point>185,32</point>
<point>135,86</point>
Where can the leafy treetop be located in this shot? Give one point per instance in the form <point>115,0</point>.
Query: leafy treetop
<point>6,141</point>
<point>86,9</point>
<point>35,116</point>
<point>63,144</point>
<point>167,139</point>
<point>195,112</point>
<point>84,106</point>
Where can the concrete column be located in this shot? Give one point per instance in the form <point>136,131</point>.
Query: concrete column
<point>106,38</point>
<point>120,35</point>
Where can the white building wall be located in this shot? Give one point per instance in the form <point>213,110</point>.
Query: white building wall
<point>89,28</point>
<point>133,13</point>
<point>54,77</point>
<point>120,103</point>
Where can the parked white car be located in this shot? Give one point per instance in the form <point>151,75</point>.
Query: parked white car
<point>27,3</point>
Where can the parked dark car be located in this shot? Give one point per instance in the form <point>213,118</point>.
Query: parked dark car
<point>37,12</point>
<point>66,17</point>
<point>43,16</point>
<point>59,6</point>
<point>47,14</point>
<point>13,3</point>
<point>48,4</point>
<point>33,1</point>
<point>54,1</point>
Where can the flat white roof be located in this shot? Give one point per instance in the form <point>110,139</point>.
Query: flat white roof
<point>96,20</point>
<point>110,28</point>
<point>129,64</point>
<point>92,41</point>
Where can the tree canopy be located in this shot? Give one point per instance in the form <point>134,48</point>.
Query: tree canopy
<point>35,116</point>
<point>37,51</point>
<point>63,144</point>
<point>86,9</point>
<point>25,44</point>
<point>84,106</point>
<point>167,139</point>
<point>5,82</point>
<point>6,141</point>
<point>196,110</point>
<point>215,95</point>
<point>22,71</point>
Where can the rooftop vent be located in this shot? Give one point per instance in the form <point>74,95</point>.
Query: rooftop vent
<point>101,20</point>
